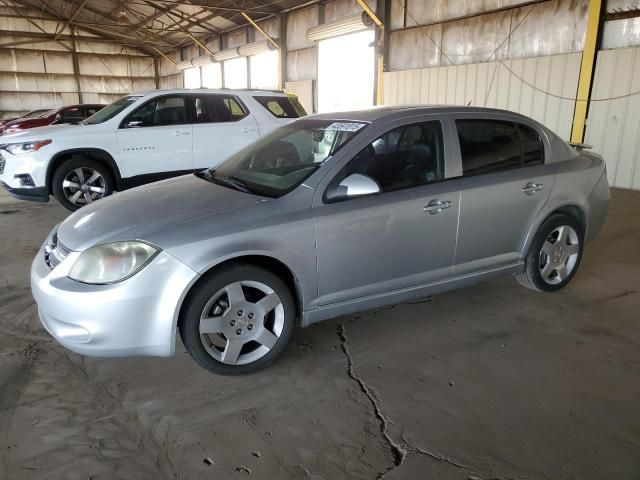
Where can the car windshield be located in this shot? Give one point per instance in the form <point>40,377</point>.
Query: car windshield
<point>282,160</point>
<point>110,111</point>
<point>35,113</point>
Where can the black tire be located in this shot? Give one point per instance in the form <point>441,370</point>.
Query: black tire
<point>87,165</point>
<point>203,293</point>
<point>532,276</point>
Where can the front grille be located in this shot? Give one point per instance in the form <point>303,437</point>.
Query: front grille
<point>2,163</point>
<point>55,252</point>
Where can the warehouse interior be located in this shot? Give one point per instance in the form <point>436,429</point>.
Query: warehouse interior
<point>488,382</point>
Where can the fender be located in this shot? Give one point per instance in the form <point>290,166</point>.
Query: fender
<point>249,257</point>
<point>93,153</point>
<point>548,209</point>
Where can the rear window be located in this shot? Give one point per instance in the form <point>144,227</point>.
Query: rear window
<point>282,107</point>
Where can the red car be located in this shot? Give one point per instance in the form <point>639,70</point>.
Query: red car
<point>31,114</point>
<point>69,114</point>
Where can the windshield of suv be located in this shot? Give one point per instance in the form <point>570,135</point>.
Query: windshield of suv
<point>110,111</point>
<point>282,160</point>
<point>35,114</point>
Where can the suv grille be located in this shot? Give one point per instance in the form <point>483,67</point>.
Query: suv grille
<point>55,252</point>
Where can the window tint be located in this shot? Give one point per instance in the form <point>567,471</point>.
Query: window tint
<point>532,147</point>
<point>282,107</point>
<point>216,108</point>
<point>407,156</point>
<point>160,111</point>
<point>91,110</point>
<point>71,112</point>
<point>488,146</point>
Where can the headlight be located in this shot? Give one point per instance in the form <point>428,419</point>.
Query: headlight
<point>112,262</point>
<point>16,148</point>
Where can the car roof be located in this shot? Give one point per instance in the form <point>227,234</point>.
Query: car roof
<point>376,113</point>
<point>237,91</point>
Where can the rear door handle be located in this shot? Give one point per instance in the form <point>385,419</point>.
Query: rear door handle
<point>436,206</point>
<point>180,133</point>
<point>531,187</point>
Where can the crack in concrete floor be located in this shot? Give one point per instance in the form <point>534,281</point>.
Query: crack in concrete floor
<point>398,450</point>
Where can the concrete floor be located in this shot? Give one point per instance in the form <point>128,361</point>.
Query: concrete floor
<point>493,381</point>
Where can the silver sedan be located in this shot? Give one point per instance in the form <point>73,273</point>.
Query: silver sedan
<point>326,216</point>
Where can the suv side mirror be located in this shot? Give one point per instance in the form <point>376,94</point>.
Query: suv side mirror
<point>134,123</point>
<point>355,185</point>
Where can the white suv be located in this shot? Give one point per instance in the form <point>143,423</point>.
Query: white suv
<point>138,139</point>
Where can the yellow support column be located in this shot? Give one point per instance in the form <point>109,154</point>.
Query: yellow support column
<point>594,12</point>
<point>379,56</point>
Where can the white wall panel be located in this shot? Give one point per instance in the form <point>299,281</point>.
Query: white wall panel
<point>540,29</point>
<point>494,85</point>
<point>613,126</point>
<point>297,25</point>
<point>338,9</point>
<point>302,65</point>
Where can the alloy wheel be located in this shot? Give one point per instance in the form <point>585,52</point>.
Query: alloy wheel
<point>559,254</point>
<point>83,185</point>
<point>242,322</point>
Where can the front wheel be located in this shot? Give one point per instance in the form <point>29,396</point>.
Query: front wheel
<point>555,254</point>
<point>81,181</point>
<point>239,321</point>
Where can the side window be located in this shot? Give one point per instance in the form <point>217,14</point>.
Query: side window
<point>216,108</point>
<point>532,146</point>
<point>488,146</point>
<point>91,110</point>
<point>160,111</point>
<point>281,107</point>
<point>71,112</point>
<point>408,156</point>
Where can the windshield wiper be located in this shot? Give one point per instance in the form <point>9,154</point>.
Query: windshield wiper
<point>236,182</point>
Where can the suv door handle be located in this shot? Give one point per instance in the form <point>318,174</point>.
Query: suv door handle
<point>180,133</point>
<point>247,129</point>
<point>436,206</point>
<point>531,187</point>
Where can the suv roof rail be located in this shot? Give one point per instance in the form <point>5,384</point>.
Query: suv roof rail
<point>270,90</point>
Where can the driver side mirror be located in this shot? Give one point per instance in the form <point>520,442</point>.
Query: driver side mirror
<point>134,123</point>
<point>355,185</point>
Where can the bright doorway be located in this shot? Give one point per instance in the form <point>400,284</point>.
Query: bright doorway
<point>346,67</point>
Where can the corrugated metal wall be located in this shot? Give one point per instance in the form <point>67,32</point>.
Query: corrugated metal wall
<point>41,74</point>
<point>517,85</point>
<point>613,126</point>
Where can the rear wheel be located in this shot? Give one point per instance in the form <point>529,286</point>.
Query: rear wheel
<point>555,254</point>
<point>239,321</point>
<point>81,181</point>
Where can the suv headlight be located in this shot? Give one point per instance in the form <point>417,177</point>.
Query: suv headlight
<point>112,262</point>
<point>26,147</point>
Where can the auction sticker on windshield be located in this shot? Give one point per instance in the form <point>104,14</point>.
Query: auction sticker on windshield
<point>345,126</point>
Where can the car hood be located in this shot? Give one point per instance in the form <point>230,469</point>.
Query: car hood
<point>137,214</point>
<point>40,133</point>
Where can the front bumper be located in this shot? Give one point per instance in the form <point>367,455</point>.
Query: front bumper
<point>30,194</point>
<point>136,317</point>
<point>32,165</point>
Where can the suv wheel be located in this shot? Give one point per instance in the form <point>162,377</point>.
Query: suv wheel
<point>239,321</point>
<point>81,181</point>
<point>555,254</point>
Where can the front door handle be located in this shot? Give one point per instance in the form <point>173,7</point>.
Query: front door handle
<point>531,187</point>
<point>247,129</point>
<point>180,133</point>
<point>436,206</point>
